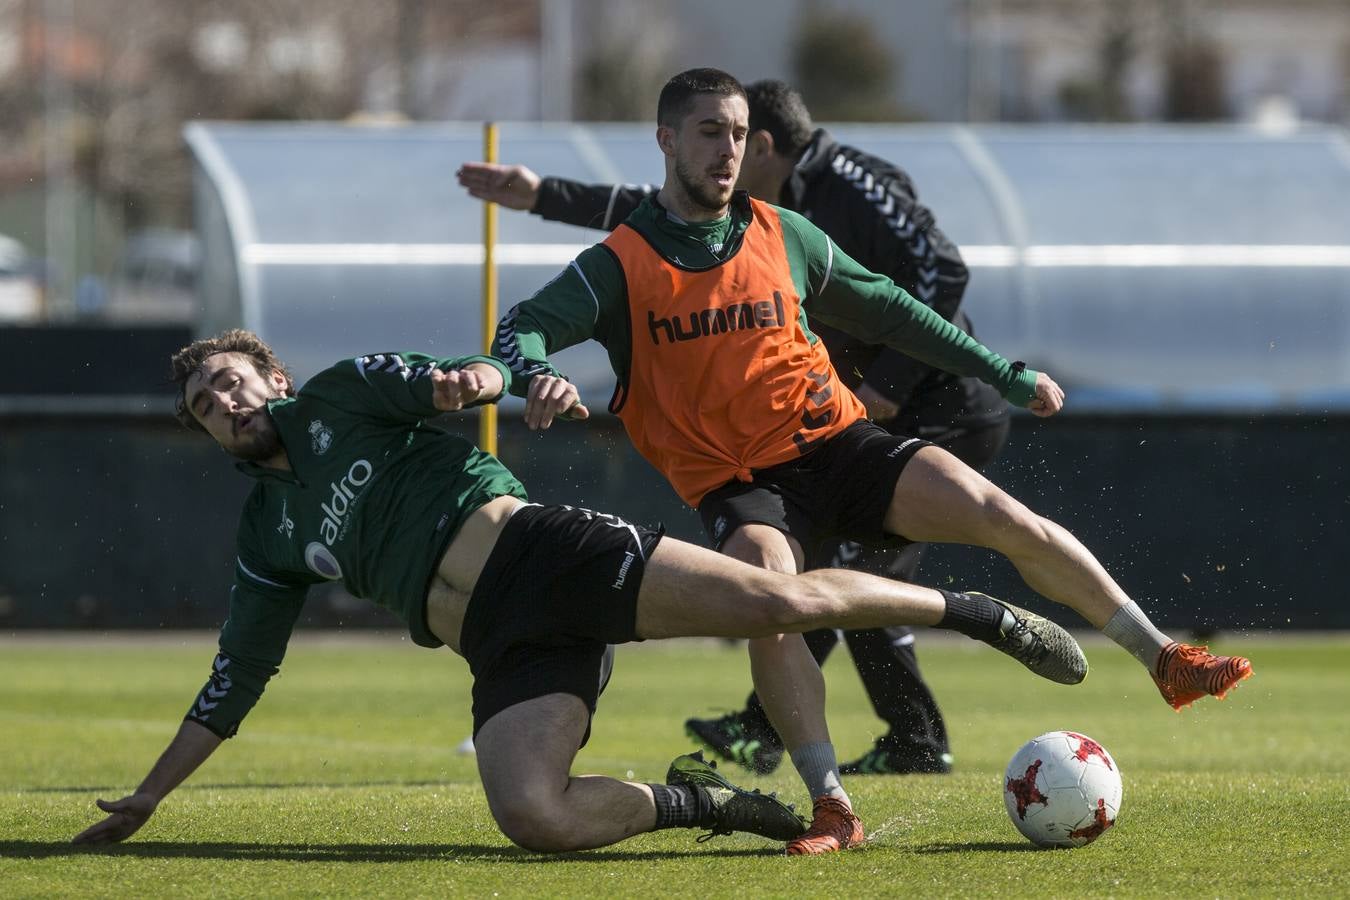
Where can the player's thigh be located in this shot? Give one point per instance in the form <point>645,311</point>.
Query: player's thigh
<point>525,754</point>
<point>690,591</point>
<point>939,498</point>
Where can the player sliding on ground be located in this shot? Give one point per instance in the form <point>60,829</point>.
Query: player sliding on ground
<point>700,298</point>
<point>353,486</point>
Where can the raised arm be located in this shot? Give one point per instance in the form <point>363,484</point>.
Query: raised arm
<point>407,386</point>
<point>601,206</point>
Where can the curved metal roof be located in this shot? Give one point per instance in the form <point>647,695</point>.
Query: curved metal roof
<point>1146,268</point>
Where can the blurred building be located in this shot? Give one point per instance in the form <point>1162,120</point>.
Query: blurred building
<point>94,95</point>
<point>1050,60</point>
<point>1189,284</point>
<point>1014,60</point>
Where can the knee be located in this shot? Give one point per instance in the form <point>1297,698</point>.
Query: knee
<point>797,603</point>
<point>530,824</point>
<point>1010,524</point>
<point>763,547</point>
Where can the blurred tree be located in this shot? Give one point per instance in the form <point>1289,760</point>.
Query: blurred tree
<point>1195,82</point>
<point>622,78</point>
<point>844,72</point>
<point>1116,35</point>
<point>131,74</point>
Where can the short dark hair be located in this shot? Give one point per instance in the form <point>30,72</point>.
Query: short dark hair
<point>188,361</point>
<point>679,91</point>
<point>777,108</point>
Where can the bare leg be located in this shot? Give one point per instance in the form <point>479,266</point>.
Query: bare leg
<point>941,499</point>
<point>786,676</point>
<point>690,591</point>
<point>525,754</point>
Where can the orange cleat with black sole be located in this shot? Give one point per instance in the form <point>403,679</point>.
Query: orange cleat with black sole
<point>833,827</point>
<point>1184,674</point>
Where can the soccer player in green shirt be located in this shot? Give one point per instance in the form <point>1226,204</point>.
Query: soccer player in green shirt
<point>352,485</point>
<point>701,299</point>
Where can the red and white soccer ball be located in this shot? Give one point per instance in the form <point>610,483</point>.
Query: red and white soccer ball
<point>1062,789</point>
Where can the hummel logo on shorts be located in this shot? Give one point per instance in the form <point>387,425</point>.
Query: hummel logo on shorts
<point>628,557</point>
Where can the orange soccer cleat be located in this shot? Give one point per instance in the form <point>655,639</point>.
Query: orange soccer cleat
<point>1184,674</point>
<point>833,827</point>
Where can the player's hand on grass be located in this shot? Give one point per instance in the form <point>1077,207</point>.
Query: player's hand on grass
<point>1049,397</point>
<point>550,397</point>
<point>125,817</point>
<point>514,187</point>
<point>458,388</point>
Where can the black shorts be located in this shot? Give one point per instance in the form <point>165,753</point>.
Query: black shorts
<point>839,491</point>
<point>559,587</point>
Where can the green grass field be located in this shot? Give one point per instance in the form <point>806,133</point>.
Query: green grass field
<point>343,781</point>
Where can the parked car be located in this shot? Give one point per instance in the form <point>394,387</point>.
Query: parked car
<point>20,294</point>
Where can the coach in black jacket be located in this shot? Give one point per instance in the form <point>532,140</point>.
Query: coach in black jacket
<point>870,209</point>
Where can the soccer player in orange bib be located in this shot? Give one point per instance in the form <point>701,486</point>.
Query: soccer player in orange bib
<point>700,299</point>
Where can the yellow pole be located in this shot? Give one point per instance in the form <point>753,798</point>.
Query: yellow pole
<point>487,417</point>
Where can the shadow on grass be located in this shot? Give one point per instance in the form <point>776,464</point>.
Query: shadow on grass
<point>348,853</point>
<point>983,846</point>
<point>104,789</point>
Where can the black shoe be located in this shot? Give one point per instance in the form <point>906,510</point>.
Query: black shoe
<point>733,738</point>
<point>1039,644</point>
<point>883,759</point>
<point>736,809</point>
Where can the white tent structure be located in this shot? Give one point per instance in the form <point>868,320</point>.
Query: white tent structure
<point>1148,268</point>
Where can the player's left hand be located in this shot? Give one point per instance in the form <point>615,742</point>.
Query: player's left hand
<point>125,817</point>
<point>550,397</point>
<point>459,387</point>
<point>1049,397</point>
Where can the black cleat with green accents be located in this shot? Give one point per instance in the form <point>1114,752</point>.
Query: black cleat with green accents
<point>882,759</point>
<point>1039,644</point>
<point>736,738</point>
<point>736,809</point>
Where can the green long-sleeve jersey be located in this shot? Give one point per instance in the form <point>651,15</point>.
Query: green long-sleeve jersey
<point>589,300</point>
<point>373,498</point>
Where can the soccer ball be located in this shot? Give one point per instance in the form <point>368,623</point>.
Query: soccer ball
<point>1062,789</point>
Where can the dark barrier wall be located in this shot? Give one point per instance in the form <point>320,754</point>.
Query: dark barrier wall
<point>1212,523</point>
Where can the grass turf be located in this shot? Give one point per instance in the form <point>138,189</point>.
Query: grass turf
<point>343,781</point>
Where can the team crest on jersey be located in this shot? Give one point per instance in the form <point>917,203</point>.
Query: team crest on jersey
<point>320,437</point>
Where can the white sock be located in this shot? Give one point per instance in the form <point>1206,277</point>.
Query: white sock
<point>819,769</point>
<point>1132,630</point>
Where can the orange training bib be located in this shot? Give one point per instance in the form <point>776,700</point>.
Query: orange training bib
<point>723,378</point>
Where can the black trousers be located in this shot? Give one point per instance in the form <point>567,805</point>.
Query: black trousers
<point>885,657</point>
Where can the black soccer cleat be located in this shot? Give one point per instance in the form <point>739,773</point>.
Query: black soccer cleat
<point>735,738</point>
<point>885,759</point>
<point>736,809</point>
<point>1039,644</point>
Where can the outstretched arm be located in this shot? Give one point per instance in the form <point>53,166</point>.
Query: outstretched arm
<point>262,614</point>
<point>514,187</point>
<point>189,749</point>
<point>844,295</point>
<point>602,206</point>
<point>458,388</point>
